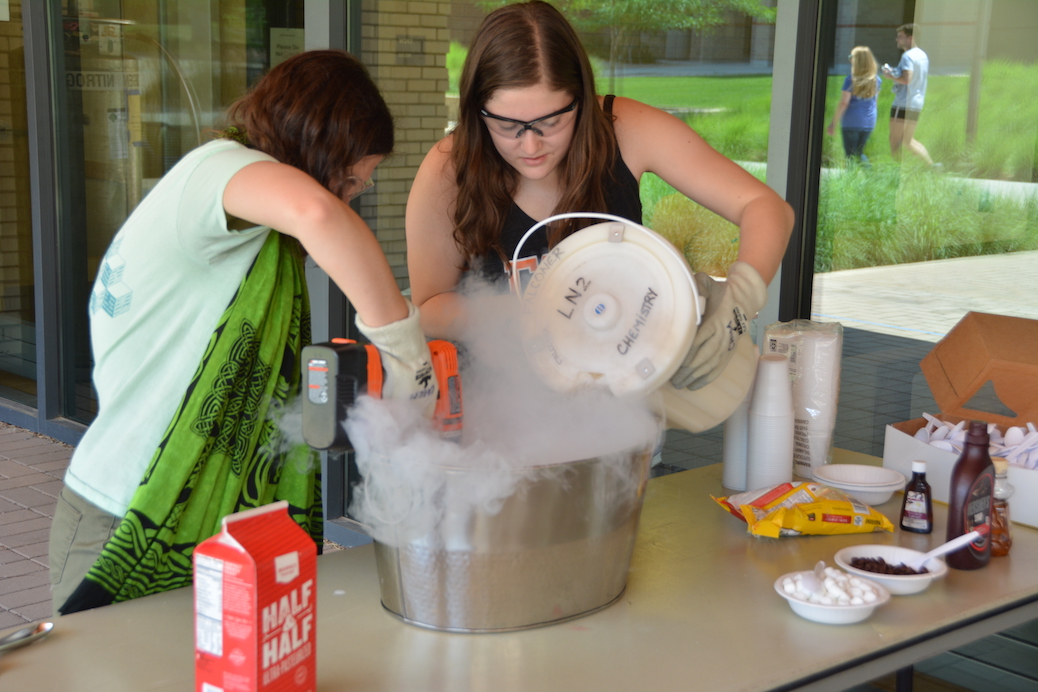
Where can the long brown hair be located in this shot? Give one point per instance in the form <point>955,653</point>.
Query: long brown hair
<point>863,73</point>
<point>318,111</point>
<point>517,46</point>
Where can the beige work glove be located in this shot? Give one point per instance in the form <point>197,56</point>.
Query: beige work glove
<point>405,360</point>
<point>730,306</point>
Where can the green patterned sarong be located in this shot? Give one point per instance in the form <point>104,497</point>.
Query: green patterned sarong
<point>223,452</point>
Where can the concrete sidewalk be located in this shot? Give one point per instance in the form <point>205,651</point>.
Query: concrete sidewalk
<point>924,300</point>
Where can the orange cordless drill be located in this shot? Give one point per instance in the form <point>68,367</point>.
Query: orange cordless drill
<point>336,372</point>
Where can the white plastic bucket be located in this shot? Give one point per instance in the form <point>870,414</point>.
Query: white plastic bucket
<point>615,305</point>
<point>612,305</point>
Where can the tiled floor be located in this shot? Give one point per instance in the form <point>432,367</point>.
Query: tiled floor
<point>31,472</point>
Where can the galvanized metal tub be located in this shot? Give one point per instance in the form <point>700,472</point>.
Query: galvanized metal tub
<point>559,548</point>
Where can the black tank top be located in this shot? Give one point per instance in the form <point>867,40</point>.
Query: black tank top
<point>622,199</point>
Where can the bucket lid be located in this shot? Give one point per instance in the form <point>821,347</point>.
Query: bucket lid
<point>613,304</point>
<point>697,410</point>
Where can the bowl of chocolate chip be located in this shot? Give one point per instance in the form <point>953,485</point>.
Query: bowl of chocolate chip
<point>888,565</point>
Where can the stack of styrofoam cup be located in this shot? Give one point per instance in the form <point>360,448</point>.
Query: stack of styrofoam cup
<point>736,437</point>
<point>814,350</point>
<point>769,453</point>
<point>815,393</point>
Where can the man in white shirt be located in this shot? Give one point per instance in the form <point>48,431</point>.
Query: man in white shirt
<point>909,79</point>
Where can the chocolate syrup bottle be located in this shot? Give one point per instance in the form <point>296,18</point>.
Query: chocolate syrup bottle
<point>970,500</point>
<point>917,504</point>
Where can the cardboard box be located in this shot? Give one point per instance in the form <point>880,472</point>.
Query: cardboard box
<point>256,605</point>
<point>979,350</point>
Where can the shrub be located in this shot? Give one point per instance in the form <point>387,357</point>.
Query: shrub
<point>710,243</point>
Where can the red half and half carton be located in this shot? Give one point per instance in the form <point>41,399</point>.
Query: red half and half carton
<point>982,351</point>
<point>255,587</point>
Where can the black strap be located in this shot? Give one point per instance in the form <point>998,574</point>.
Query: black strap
<point>607,103</point>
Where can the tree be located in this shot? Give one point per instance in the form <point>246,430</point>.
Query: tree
<point>623,19</point>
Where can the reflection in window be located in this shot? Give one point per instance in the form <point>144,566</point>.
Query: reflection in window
<point>144,83</point>
<point>17,300</point>
<point>905,249</point>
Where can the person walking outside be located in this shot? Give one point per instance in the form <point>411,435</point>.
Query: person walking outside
<point>856,111</point>
<point>909,93</point>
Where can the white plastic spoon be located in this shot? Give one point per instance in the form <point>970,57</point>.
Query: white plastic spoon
<point>932,422</point>
<point>1013,436</point>
<point>952,545</point>
<point>1022,447</point>
<point>813,581</point>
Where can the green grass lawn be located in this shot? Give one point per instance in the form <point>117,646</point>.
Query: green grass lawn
<point>887,214</point>
<point>890,213</point>
<point>752,94</point>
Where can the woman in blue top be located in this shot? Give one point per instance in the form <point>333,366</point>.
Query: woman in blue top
<point>856,111</point>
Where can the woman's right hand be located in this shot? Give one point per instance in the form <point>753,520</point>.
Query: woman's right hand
<point>405,360</point>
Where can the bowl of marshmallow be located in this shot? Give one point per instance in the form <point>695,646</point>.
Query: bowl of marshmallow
<point>831,596</point>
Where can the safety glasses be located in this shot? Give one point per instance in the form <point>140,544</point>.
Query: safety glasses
<point>545,126</point>
<point>357,187</point>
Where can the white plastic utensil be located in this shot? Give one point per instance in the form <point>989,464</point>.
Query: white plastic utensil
<point>953,544</point>
<point>813,581</point>
<point>1013,436</point>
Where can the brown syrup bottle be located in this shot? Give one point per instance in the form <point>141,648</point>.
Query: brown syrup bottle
<point>970,499</point>
<point>917,504</point>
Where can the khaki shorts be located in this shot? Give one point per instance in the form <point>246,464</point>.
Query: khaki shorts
<point>78,533</point>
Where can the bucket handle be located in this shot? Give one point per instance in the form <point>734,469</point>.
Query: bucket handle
<point>514,278</point>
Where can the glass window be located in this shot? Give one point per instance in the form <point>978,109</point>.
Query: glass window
<point>143,83</point>
<point>17,301</point>
<point>939,216</point>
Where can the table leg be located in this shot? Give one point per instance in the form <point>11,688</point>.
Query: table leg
<point>903,679</point>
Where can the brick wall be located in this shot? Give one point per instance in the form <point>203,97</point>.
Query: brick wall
<point>405,46</point>
<point>16,268</point>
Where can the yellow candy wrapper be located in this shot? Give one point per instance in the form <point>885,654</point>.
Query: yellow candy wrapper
<point>803,508</point>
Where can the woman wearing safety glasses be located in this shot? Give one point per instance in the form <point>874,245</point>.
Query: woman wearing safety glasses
<point>533,139</point>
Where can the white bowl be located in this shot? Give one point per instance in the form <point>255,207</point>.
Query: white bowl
<point>872,485</point>
<point>897,584</point>
<point>831,614</point>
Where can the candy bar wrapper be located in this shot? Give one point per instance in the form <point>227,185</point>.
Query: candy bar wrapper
<point>803,508</point>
